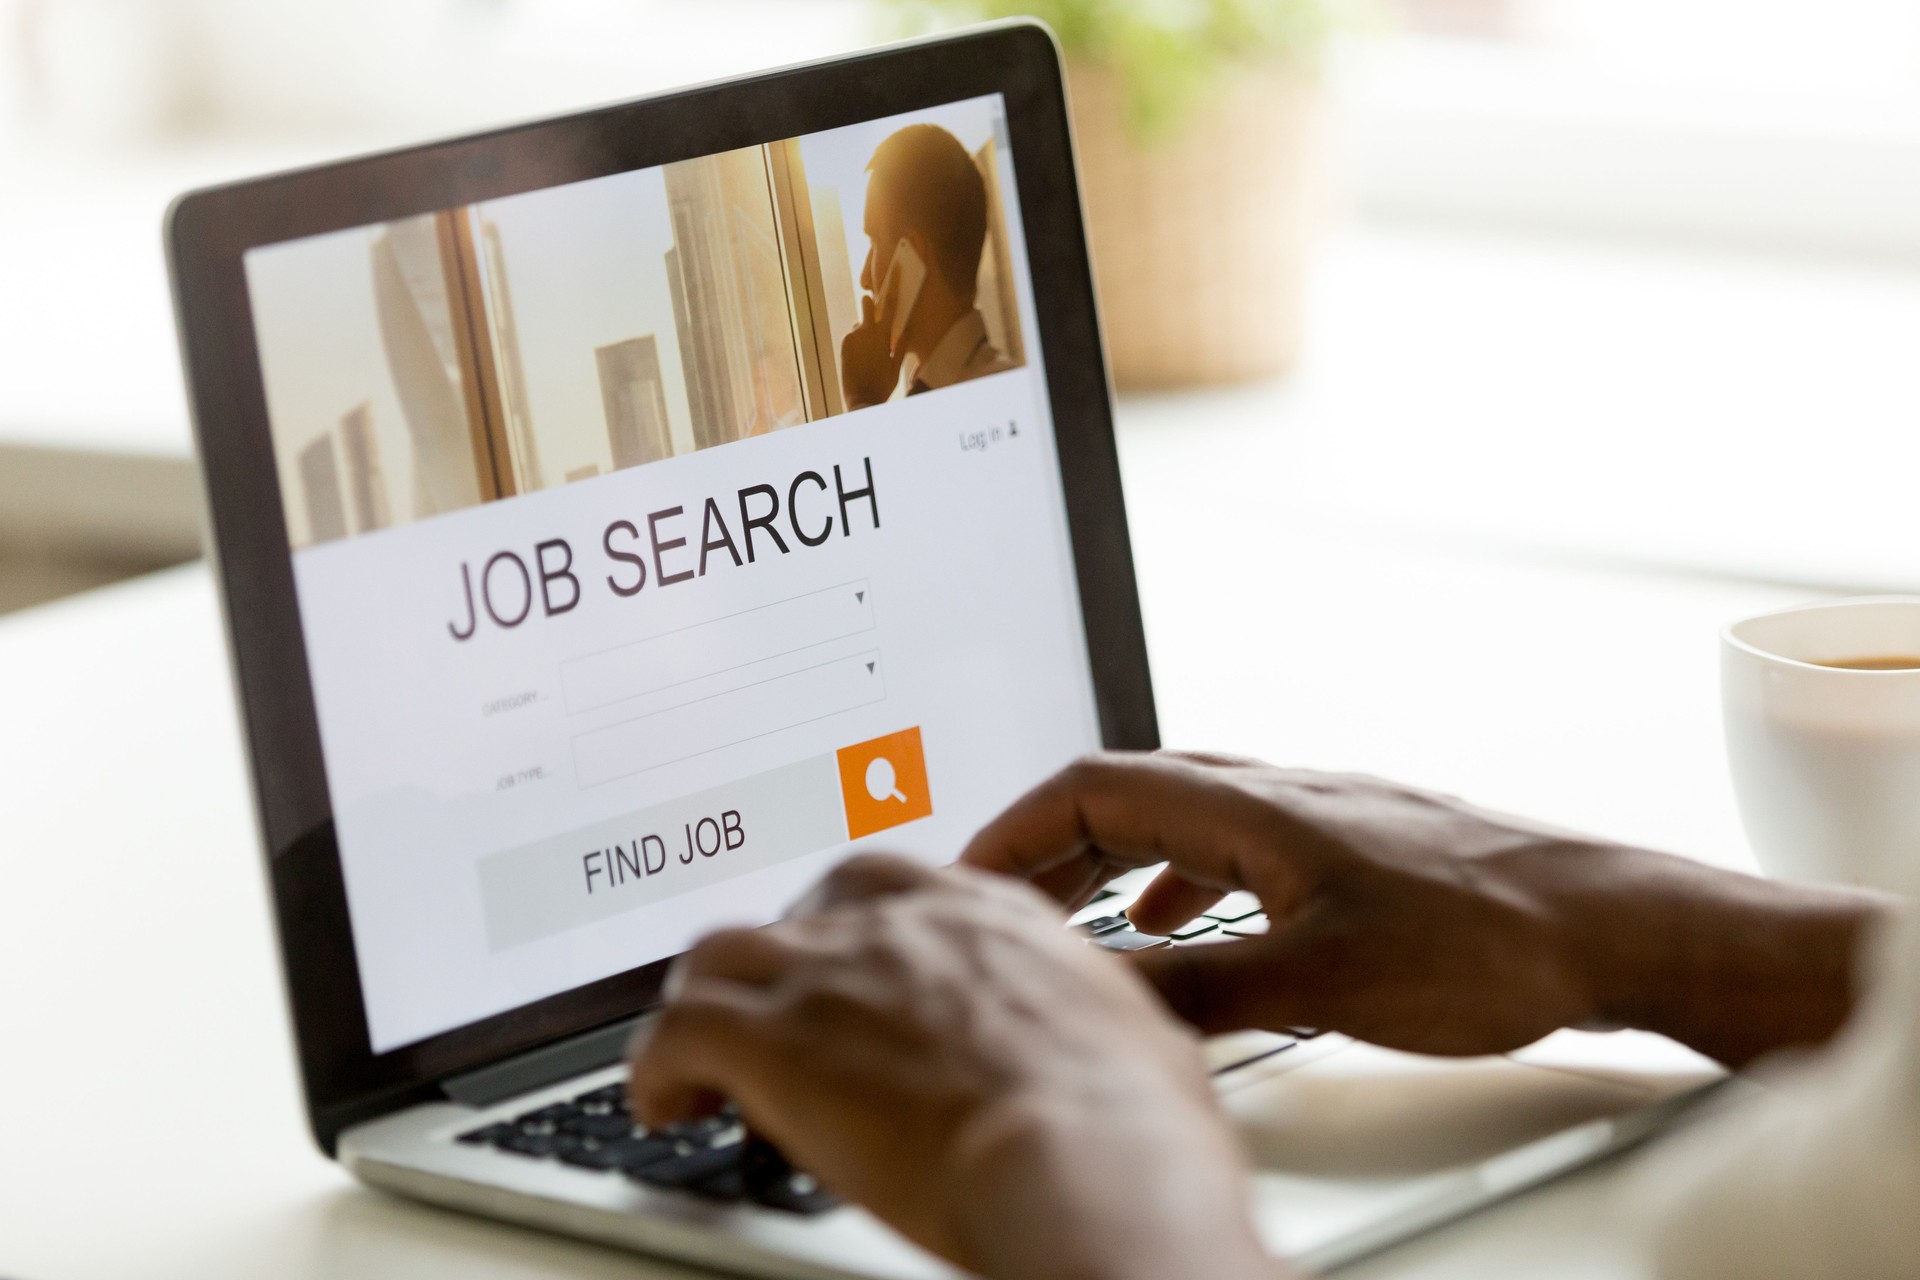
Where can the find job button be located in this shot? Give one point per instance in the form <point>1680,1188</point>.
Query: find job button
<point>608,868</point>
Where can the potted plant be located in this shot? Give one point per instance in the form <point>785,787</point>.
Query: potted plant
<point>1196,125</point>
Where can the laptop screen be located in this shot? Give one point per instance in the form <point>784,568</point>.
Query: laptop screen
<point>658,538</point>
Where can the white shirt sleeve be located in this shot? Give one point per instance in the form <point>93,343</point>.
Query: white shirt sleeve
<point>1819,1175</point>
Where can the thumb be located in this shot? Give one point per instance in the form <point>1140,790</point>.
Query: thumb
<point>866,308</point>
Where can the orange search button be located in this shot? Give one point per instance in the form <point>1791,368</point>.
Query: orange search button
<point>883,782</point>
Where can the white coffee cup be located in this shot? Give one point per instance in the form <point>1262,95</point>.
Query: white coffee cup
<point>1826,760</point>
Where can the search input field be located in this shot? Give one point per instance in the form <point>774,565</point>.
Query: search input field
<point>720,645</point>
<point>728,718</point>
<point>617,865</point>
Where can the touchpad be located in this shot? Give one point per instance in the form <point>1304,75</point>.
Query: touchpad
<point>1364,1112</point>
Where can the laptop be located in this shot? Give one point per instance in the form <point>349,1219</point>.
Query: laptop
<point>620,518</point>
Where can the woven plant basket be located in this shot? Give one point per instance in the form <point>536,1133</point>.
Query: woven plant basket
<point>1200,233</point>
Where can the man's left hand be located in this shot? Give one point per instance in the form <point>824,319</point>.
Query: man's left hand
<point>937,1047</point>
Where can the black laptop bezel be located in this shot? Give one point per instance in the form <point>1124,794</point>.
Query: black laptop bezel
<point>208,231</point>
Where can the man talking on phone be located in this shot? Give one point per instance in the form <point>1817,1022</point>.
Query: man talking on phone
<point>926,226</point>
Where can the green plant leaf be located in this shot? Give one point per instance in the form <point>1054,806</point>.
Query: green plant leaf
<point>1167,53</point>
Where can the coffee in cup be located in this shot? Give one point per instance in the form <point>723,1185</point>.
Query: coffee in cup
<point>1822,713</point>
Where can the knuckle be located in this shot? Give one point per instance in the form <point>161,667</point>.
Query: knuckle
<point>723,945</point>
<point>1208,759</point>
<point>862,867</point>
<point>677,1019</point>
<point>826,1004</point>
<point>709,957</point>
<point>687,1025</point>
<point>639,1043</point>
<point>1095,771</point>
<point>984,890</point>
<point>870,875</point>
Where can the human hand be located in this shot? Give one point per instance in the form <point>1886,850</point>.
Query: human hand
<point>937,1047</point>
<point>869,367</point>
<point>1421,922</point>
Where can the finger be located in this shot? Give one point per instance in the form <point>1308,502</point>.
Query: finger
<point>1231,986</point>
<point>703,1045</point>
<point>752,957</point>
<point>1225,759</point>
<point>1108,813</point>
<point>866,308</point>
<point>862,878</point>
<point>1169,901</point>
<point>1072,884</point>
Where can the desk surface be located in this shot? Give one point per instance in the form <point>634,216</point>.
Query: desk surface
<point>155,1127</point>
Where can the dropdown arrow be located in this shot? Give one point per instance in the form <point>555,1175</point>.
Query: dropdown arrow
<point>869,668</point>
<point>861,596</point>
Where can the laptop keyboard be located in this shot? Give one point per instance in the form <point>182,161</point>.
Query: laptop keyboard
<point>717,1159</point>
<point>1238,915</point>
<point>714,1157</point>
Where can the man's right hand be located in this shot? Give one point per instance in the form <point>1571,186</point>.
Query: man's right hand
<point>869,367</point>
<point>1421,922</point>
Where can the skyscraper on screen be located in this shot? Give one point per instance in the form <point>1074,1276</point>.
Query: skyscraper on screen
<point>635,401</point>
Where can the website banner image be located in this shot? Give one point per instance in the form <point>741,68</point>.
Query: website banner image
<point>660,537</point>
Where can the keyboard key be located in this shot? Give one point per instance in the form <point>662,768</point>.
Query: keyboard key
<point>771,1181</point>
<point>625,1154</point>
<point>538,1145</point>
<point>1194,929</point>
<point>605,1127</point>
<point>593,1155</point>
<point>1251,927</point>
<point>765,1177</point>
<point>707,1131</point>
<point>729,1185</point>
<point>546,1119</point>
<point>1127,941</point>
<point>610,1101</point>
<point>796,1193</point>
<point>1097,910</point>
<point>488,1134</point>
<point>683,1171</point>
<point>1237,905</point>
<point>1102,924</point>
<point>1304,1033</point>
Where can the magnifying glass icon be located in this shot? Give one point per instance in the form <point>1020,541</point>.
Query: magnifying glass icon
<point>881,782</point>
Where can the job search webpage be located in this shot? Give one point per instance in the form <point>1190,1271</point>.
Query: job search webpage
<point>650,555</point>
<point>589,780</point>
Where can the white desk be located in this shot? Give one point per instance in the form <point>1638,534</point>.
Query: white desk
<point>153,1126</point>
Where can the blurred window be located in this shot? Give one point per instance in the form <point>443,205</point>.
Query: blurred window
<point>1767,120</point>
<point>1840,48</point>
